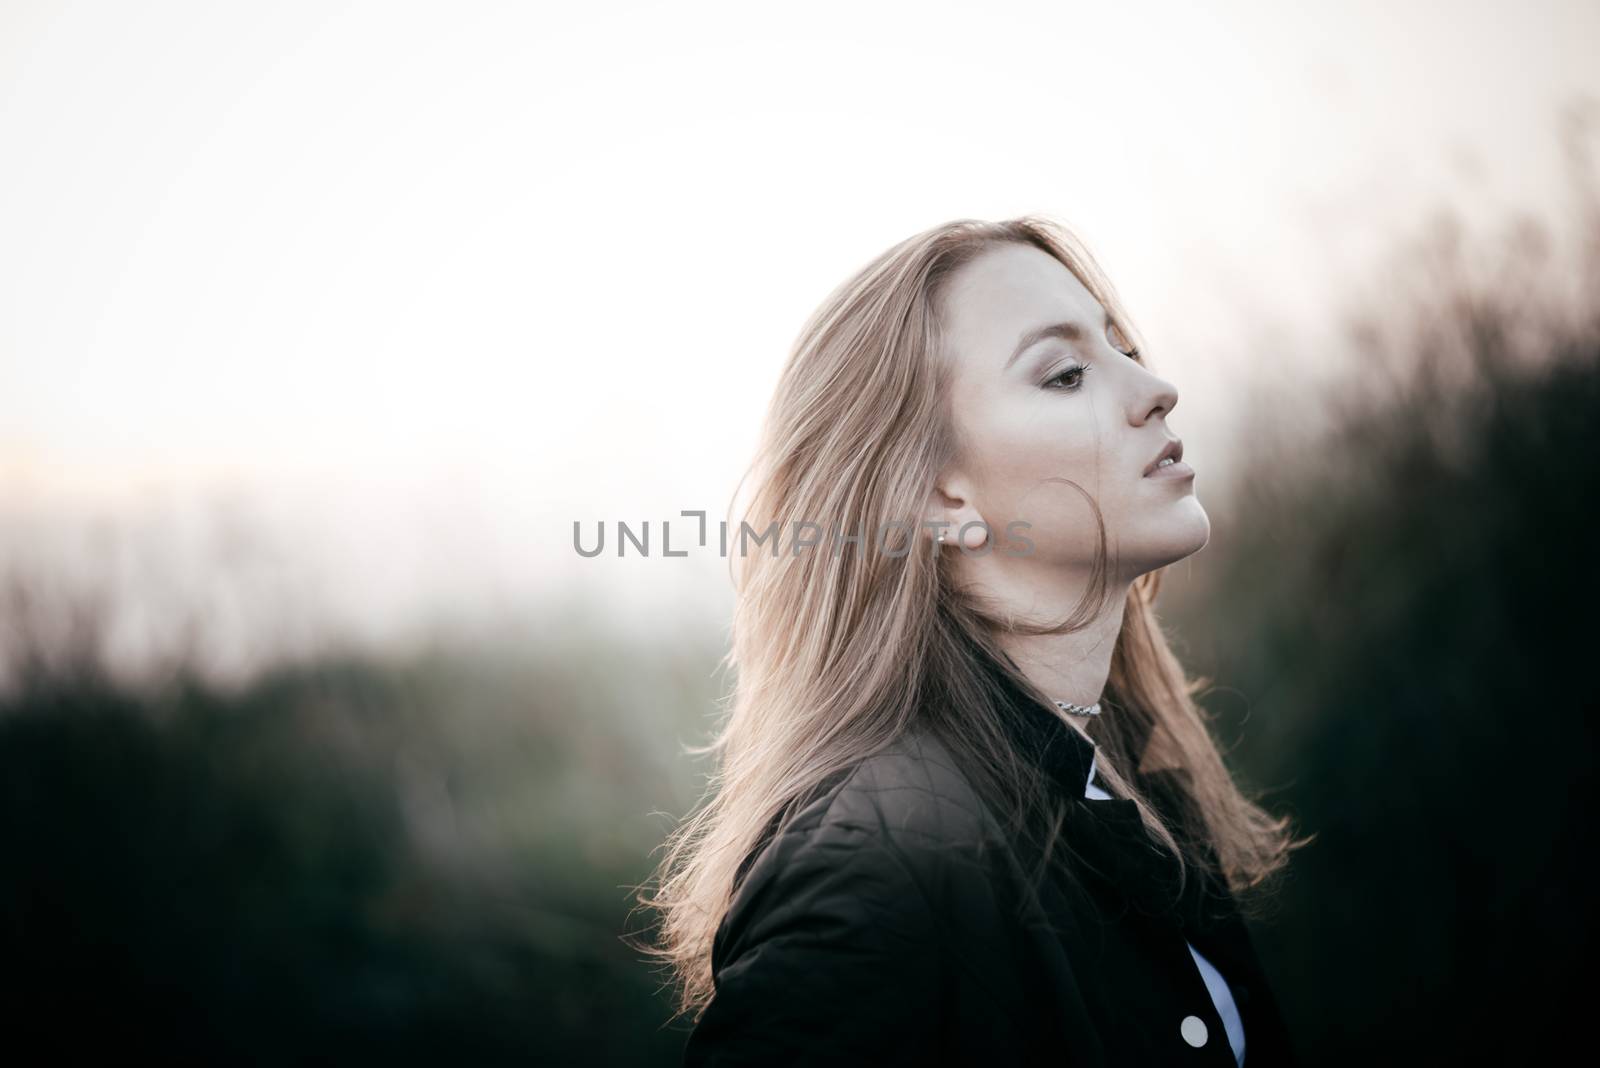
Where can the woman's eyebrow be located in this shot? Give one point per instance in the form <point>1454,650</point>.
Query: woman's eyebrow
<point>1066,331</point>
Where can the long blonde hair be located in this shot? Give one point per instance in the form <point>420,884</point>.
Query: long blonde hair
<point>839,652</point>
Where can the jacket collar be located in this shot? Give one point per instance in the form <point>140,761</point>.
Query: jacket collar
<point>1109,837</point>
<point>1065,752</point>
<point>1110,833</point>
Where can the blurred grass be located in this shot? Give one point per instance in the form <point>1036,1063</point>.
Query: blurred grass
<point>413,858</point>
<point>1399,614</point>
<point>430,855</point>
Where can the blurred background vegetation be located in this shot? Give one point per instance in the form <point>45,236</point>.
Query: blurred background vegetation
<point>1396,615</point>
<point>434,854</point>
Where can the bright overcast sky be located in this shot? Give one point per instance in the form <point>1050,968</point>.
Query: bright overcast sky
<point>420,284</point>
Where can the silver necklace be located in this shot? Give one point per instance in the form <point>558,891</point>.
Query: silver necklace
<point>1079,710</point>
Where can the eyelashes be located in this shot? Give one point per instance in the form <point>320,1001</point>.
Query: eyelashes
<point>1075,373</point>
<point>1113,327</point>
<point>1070,379</point>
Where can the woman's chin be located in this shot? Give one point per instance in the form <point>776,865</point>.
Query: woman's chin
<point>1178,537</point>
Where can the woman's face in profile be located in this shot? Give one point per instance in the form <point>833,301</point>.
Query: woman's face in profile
<point>1033,403</point>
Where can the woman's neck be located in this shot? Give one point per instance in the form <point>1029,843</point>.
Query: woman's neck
<point>1069,667</point>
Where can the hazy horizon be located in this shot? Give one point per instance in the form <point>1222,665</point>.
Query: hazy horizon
<point>375,301</point>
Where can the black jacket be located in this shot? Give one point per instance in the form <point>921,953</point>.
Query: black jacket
<point>882,926</point>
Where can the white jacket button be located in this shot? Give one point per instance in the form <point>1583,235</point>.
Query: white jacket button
<point>1194,1030</point>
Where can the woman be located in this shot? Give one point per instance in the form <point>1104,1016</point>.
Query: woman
<point>965,808</point>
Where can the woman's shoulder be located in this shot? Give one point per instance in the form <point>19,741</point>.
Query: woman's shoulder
<point>897,846</point>
<point>912,794</point>
<point>836,941</point>
<point>906,814</point>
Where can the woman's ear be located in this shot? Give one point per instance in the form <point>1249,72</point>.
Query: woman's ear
<point>952,519</point>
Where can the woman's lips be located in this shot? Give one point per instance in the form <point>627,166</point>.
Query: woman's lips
<point>1172,470</point>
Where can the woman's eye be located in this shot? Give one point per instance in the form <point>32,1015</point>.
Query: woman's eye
<point>1068,380</point>
<point>1120,342</point>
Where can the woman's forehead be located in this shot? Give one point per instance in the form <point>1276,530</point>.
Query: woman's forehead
<point>1009,293</point>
